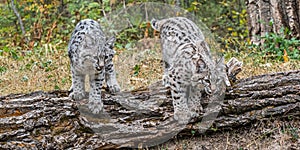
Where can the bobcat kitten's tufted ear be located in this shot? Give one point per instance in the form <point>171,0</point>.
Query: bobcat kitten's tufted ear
<point>154,24</point>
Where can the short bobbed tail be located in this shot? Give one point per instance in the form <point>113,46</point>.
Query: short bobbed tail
<point>155,24</point>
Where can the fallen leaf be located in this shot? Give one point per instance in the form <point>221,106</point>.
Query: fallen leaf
<point>285,56</point>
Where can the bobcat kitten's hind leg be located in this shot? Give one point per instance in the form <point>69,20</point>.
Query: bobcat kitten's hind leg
<point>180,96</point>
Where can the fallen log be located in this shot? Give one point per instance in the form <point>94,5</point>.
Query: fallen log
<point>141,118</point>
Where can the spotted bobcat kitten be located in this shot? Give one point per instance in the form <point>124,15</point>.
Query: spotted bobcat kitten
<point>189,69</point>
<point>91,54</point>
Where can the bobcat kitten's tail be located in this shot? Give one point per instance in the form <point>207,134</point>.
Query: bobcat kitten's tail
<point>155,24</point>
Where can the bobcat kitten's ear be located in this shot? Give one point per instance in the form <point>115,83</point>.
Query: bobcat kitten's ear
<point>154,24</point>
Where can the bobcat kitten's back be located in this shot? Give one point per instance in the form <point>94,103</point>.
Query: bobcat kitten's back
<point>189,68</point>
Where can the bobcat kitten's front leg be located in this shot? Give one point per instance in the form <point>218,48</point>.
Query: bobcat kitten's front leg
<point>95,103</point>
<point>181,111</point>
<point>180,96</point>
<point>77,88</point>
<point>110,77</point>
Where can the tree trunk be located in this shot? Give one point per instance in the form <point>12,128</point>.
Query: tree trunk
<point>137,118</point>
<point>272,15</point>
<point>13,6</point>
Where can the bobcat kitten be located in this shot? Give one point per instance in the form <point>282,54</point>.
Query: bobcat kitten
<point>189,68</point>
<point>91,53</point>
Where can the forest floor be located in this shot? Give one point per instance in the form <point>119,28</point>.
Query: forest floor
<point>272,134</point>
<point>48,69</point>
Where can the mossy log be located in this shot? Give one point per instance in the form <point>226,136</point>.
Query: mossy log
<point>50,120</point>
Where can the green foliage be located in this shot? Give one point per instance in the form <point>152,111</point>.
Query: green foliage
<point>13,53</point>
<point>276,43</point>
<point>226,19</point>
<point>51,22</point>
<point>25,79</point>
<point>127,38</point>
<point>136,69</point>
<point>293,131</point>
<point>2,69</point>
<point>56,87</point>
<point>7,24</point>
<point>193,132</point>
<point>44,21</point>
<point>85,9</point>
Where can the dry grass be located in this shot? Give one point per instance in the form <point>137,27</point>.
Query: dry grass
<point>273,134</point>
<point>258,65</point>
<point>140,66</point>
<point>48,68</point>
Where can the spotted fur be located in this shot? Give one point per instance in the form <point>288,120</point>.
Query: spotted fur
<point>91,54</point>
<point>189,69</point>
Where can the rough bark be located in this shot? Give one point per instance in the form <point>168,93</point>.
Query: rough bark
<point>50,120</point>
<point>282,13</point>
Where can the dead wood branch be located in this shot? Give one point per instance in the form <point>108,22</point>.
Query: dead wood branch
<point>18,16</point>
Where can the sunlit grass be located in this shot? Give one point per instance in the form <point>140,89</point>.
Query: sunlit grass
<point>256,64</point>
<point>45,68</point>
<point>48,68</point>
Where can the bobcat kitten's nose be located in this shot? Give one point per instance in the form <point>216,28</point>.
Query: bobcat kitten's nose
<point>99,68</point>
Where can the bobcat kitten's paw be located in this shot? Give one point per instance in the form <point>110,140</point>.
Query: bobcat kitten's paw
<point>182,117</point>
<point>115,88</point>
<point>95,106</point>
<point>196,110</point>
<point>77,95</point>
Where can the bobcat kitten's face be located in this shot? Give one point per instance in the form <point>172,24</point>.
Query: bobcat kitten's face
<point>104,55</point>
<point>89,49</point>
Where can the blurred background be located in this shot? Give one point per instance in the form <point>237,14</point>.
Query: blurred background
<point>34,35</point>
